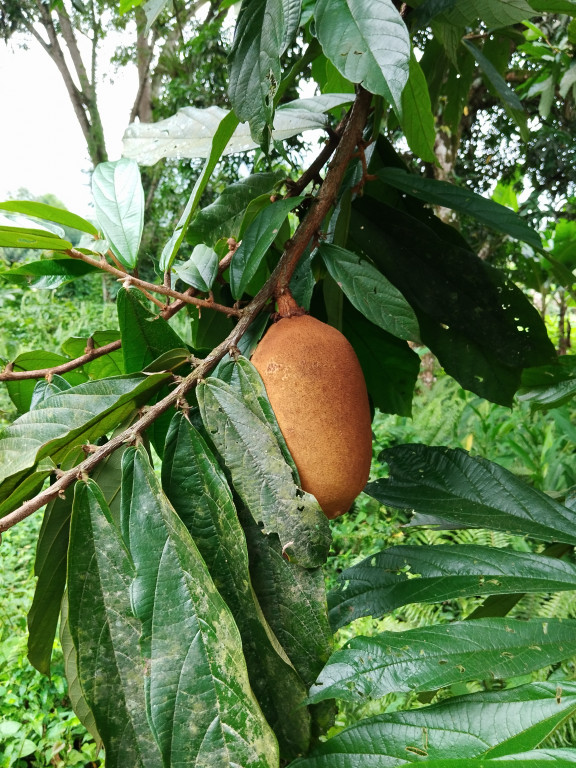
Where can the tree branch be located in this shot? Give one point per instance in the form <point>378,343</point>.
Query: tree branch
<point>153,287</point>
<point>70,365</point>
<point>276,285</point>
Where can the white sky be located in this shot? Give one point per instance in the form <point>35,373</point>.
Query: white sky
<point>41,143</point>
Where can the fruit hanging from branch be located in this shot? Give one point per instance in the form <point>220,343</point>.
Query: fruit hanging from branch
<point>317,391</point>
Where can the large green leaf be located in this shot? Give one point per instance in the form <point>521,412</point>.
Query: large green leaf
<point>390,367</point>
<point>145,337</point>
<point>293,600</point>
<point>221,137</point>
<point>463,200</point>
<point>368,43</point>
<point>494,13</point>
<point>255,242</point>
<point>50,569</point>
<point>437,656</point>
<point>200,270</point>
<point>49,213</point>
<point>197,488</point>
<point>27,237</point>
<point>554,6</point>
<point>461,727</point>
<point>106,633</point>
<point>261,476</point>
<point>79,415</point>
<point>223,217</point>
<point>417,114</point>
<point>51,555</point>
<point>381,583</point>
<point>75,692</point>
<point>264,30</point>
<point>562,758</point>
<point>119,203</point>
<point>247,381</point>
<point>111,364</point>
<point>198,697</point>
<point>49,273</point>
<point>550,386</point>
<point>370,292</point>
<point>478,323</point>
<point>471,492</point>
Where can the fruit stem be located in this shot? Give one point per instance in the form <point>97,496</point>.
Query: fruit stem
<point>287,305</point>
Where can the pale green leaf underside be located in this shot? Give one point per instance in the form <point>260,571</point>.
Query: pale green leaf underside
<point>368,43</point>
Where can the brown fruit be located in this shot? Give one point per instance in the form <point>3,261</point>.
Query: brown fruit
<point>317,391</point>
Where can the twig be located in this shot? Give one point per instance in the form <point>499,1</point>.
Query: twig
<point>9,375</point>
<point>277,284</point>
<point>153,287</point>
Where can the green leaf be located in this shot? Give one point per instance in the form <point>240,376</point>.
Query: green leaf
<point>145,336</point>
<point>549,386</point>
<point>50,570</point>
<point>492,214</point>
<point>49,273</point>
<point>264,30</point>
<point>119,203</point>
<point>494,13</point>
<point>437,656</point>
<point>246,380</point>
<point>197,488</point>
<point>380,584</point>
<point>554,6</point>
<point>261,476</point>
<point>105,632</point>
<point>530,760</point>
<point>462,727</point>
<point>79,415</point>
<point>368,44</point>
<point>111,364</point>
<point>223,217</point>
<point>21,237</point>
<point>200,270</point>
<point>370,292</point>
<point>293,600</point>
<point>417,114</point>
<point>509,98</point>
<point>75,693</point>
<point>23,486</point>
<point>197,672</point>
<point>21,391</point>
<point>222,135</point>
<point>469,491</point>
<point>49,213</point>
<point>390,367</point>
<point>256,240</point>
<point>477,322</point>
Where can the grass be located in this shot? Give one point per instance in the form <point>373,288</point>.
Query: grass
<point>37,725</point>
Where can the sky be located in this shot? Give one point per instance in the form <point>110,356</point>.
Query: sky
<point>41,144</point>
